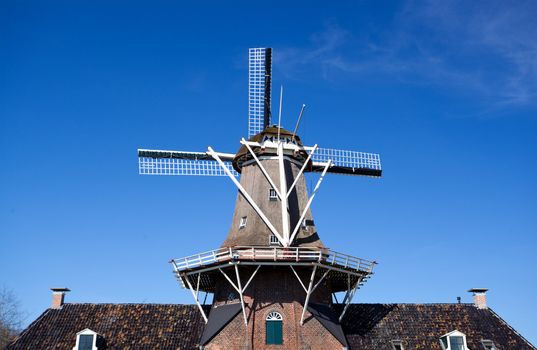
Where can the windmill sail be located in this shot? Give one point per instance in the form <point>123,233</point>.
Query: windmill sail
<point>259,89</point>
<point>158,162</point>
<point>348,162</point>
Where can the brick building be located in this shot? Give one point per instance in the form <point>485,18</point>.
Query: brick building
<point>172,326</point>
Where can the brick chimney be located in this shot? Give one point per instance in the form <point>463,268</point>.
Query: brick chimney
<point>58,295</point>
<point>480,297</point>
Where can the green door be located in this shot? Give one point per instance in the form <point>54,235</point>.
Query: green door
<point>274,332</point>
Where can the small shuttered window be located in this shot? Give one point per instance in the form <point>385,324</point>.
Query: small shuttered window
<point>243,221</point>
<point>272,195</point>
<point>273,240</point>
<point>274,329</point>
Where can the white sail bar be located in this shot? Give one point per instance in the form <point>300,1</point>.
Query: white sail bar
<point>247,196</point>
<point>195,295</point>
<point>305,210</point>
<point>348,162</point>
<point>160,162</point>
<point>349,295</point>
<point>259,89</point>
<point>263,170</point>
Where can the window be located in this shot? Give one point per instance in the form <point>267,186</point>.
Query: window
<point>86,340</point>
<point>274,329</point>
<point>273,240</point>
<point>272,195</point>
<point>243,222</point>
<point>397,345</point>
<point>454,341</point>
<point>488,345</point>
<point>306,224</point>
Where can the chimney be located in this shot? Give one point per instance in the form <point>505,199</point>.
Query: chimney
<point>480,297</point>
<point>58,294</point>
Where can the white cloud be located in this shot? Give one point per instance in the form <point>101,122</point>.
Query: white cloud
<point>482,48</point>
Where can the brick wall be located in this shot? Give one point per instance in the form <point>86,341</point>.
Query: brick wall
<point>480,300</point>
<point>274,289</point>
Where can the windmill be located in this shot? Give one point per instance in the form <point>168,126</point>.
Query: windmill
<point>272,228</point>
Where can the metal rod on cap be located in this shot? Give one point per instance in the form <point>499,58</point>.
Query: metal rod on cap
<point>298,121</point>
<point>280,114</point>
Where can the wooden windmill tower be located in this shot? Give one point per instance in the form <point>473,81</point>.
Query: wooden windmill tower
<point>272,279</point>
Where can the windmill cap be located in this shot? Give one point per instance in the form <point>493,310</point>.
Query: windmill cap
<point>270,131</point>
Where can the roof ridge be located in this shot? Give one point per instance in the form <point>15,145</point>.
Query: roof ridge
<point>21,334</point>
<point>464,304</point>
<point>173,304</point>
<point>126,304</point>
<point>511,328</point>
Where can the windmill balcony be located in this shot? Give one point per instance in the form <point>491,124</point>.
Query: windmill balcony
<point>204,264</point>
<point>276,254</point>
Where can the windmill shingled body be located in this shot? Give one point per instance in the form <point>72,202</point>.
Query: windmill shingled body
<point>255,232</point>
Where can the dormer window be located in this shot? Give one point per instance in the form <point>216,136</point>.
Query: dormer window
<point>86,340</point>
<point>454,341</point>
<point>488,345</point>
<point>272,195</point>
<point>242,223</point>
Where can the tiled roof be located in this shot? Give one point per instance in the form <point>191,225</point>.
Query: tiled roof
<point>419,326</point>
<point>123,326</point>
<point>167,326</point>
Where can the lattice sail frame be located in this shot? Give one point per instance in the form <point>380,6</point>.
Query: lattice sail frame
<point>152,166</point>
<point>259,89</point>
<point>159,162</point>
<point>156,162</point>
<point>348,159</point>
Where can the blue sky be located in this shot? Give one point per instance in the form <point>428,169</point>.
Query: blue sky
<point>446,92</point>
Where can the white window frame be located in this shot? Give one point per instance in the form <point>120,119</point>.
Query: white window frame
<point>274,241</point>
<point>274,316</point>
<point>243,221</point>
<point>395,343</point>
<point>272,195</point>
<point>448,336</point>
<point>487,344</point>
<point>86,331</point>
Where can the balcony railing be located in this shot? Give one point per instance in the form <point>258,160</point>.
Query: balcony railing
<point>276,254</point>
